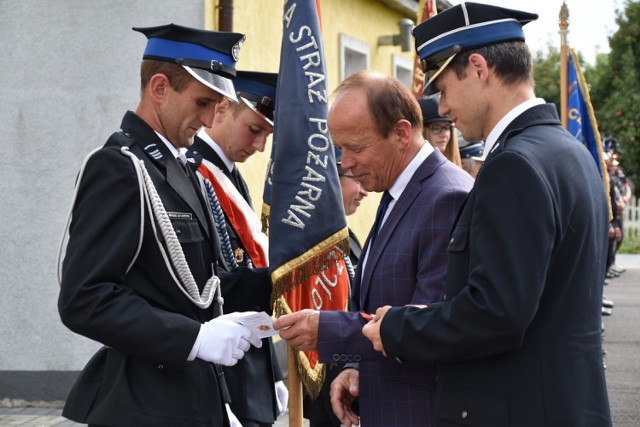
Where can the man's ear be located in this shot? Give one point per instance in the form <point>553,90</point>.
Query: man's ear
<point>403,130</point>
<point>223,106</point>
<point>159,87</point>
<point>222,110</point>
<point>479,66</point>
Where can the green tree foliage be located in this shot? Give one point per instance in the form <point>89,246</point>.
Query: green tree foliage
<point>615,83</point>
<point>546,72</point>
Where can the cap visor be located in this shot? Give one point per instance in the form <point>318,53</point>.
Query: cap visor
<point>252,105</point>
<point>430,76</point>
<point>222,85</point>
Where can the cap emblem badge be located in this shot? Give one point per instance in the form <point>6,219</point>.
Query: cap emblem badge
<point>235,50</point>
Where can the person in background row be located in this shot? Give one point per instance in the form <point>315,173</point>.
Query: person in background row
<point>439,130</point>
<point>517,340</point>
<point>619,184</point>
<point>377,124</point>
<point>239,130</point>
<point>470,155</point>
<point>319,411</point>
<point>140,274</point>
<point>615,234</point>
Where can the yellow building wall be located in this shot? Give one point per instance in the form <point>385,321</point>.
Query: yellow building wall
<point>261,21</point>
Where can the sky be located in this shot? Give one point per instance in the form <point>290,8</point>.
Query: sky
<point>589,26</point>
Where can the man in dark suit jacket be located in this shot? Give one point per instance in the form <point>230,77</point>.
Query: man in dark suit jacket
<point>377,124</point>
<point>258,394</point>
<point>517,340</point>
<point>140,272</point>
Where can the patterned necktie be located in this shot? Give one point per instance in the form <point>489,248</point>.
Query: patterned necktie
<point>182,159</point>
<point>382,209</point>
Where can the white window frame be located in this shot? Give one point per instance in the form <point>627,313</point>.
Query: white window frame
<point>350,46</point>
<point>402,65</point>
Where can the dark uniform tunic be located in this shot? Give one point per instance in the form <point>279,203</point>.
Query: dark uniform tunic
<point>147,324</point>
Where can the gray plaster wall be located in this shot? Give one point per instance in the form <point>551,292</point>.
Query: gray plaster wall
<point>69,69</point>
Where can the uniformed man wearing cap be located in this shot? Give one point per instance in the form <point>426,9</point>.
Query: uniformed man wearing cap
<point>140,273</point>
<point>517,339</point>
<point>239,130</point>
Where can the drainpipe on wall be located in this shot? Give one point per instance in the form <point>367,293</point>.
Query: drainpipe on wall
<point>225,15</point>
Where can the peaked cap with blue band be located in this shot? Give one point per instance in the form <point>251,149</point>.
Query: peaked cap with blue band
<point>429,108</point>
<point>258,91</point>
<point>472,151</point>
<point>209,56</point>
<point>464,27</point>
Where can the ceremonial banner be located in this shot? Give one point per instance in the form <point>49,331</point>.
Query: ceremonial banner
<point>426,10</point>
<point>582,121</point>
<point>266,195</point>
<point>308,238</point>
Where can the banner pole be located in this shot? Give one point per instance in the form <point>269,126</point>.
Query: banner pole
<point>295,391</point>
<point>564,73</point>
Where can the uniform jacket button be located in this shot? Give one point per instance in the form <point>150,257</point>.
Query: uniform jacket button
<point>464,414</point>
<point>160,366</point>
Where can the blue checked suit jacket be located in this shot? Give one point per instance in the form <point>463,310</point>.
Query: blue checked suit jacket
<point>406,265</point>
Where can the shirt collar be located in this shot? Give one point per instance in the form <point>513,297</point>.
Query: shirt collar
<point>505,121</point>
<point>215,147</point>
<point>175,151</point>
<point>403,179</point>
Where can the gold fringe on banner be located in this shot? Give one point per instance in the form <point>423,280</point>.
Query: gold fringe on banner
<point>311,378</point>
<point>299,272</point>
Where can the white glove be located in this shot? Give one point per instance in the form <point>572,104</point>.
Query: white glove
<point>282,397</point>
<point>233,420</point>
<point>223,341</point>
